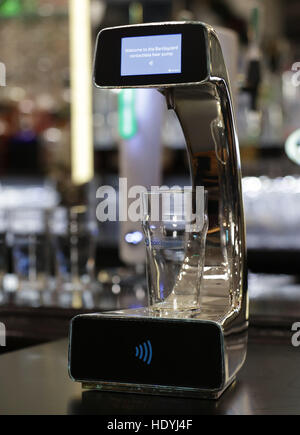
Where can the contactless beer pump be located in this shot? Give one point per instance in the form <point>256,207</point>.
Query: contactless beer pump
<point>197,353</point>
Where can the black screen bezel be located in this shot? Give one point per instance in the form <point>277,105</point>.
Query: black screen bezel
<point>107,63</point>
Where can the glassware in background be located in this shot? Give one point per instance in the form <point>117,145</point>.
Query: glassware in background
<point>175,244</point>
<point>272,211</point>
<point>30,253</point>
<point>74,236</point>
<point>3,251</point>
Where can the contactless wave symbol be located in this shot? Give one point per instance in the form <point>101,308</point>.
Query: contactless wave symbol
<point>144,352</point>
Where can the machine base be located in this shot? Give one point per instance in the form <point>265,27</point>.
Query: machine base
<point>157,356</point>
<point>157,391</point>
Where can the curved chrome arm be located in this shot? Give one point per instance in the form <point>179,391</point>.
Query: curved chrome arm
<point>206,115</point>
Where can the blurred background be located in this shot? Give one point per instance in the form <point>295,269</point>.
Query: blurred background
<point>56,259</point>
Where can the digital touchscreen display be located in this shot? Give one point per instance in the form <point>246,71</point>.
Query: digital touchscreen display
<point>156,54</point>
<point>148,55</point>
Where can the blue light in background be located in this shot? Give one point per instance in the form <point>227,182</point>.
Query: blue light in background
<point>134,238</point>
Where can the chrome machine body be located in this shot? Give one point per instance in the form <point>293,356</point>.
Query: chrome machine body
<point>201,97</point>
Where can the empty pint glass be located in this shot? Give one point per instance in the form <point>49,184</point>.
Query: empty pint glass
<point>175,224</point>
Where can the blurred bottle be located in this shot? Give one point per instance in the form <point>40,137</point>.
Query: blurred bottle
<point>23,148</point>
<point>249,113</point>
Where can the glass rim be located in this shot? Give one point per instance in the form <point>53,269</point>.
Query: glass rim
<point>164,191</point>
